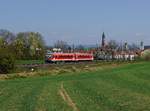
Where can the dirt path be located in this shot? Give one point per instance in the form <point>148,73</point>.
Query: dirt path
<point>67,98</point>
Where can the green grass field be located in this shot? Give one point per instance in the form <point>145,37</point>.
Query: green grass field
<point>122,88</point>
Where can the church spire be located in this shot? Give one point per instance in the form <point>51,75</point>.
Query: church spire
<point>103,39</point>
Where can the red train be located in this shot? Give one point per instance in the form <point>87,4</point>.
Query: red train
<point>58,57</point>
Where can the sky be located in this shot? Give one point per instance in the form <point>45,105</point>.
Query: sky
<point>79,21</point>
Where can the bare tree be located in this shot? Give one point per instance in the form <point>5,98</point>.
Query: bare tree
<point>133,47</point>
<point>80,47</point>
<point>7,36</point>
<point>113,44</point>
<point>61,44</point>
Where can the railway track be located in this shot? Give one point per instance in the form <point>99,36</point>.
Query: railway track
<point>62,63</point>
<point>53,64</point>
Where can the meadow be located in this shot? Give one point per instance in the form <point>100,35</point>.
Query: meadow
<point>111,87</point>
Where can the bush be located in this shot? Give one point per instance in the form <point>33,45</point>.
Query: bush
<point>145,55</point>
<point>6,61</point>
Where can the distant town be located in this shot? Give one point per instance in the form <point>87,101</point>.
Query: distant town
<point>105,50</point>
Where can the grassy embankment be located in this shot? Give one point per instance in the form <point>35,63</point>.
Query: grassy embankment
<point>57,69</point>
<point>21,62</point>
<point>122,88</point>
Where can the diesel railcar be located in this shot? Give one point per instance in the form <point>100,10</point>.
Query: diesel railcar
<point>66,57</point>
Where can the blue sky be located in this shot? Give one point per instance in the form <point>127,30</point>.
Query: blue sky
<point>79,21</point>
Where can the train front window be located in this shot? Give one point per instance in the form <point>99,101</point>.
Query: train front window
<point>49,56</point>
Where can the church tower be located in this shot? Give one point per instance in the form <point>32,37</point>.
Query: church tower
<point>103,40</point>
<point>141,45</point>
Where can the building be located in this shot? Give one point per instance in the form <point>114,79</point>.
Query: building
<point>146,47</point>
<point>125,56</point>
<point>103,40</point>
<point>141,45</point>
<point>105,52</point>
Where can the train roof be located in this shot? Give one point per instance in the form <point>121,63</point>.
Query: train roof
<point>72,53</point>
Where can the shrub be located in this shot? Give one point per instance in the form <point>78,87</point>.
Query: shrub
<point>6,61</point>
<point>146,55</point>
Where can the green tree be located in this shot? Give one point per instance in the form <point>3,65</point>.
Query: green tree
<point>7,61</point>
<point>19,47</point>
<point>2,42</point>
<point>36,45</point>
<point>29,45</point>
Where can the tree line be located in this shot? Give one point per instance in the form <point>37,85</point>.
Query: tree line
<point>23,45</point>
<point>20,46</point>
